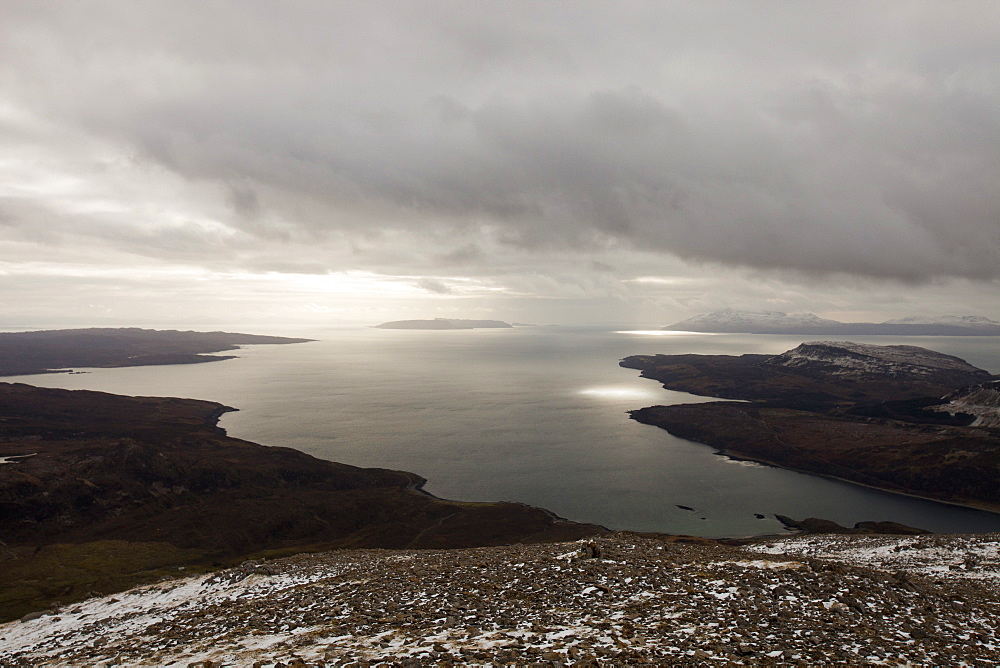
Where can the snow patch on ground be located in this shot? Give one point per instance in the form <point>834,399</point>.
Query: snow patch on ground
<point>611,600</point>
<point>972,557</point>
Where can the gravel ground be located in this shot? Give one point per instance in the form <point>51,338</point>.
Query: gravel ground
<point>972,557</point>
<point>620,599</point>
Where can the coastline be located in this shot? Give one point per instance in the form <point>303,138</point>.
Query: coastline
<point>417,487</point>
<point>25,353</point>
<point>735,455</point>
<point>842,411</point>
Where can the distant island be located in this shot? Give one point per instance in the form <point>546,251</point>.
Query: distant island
<point>23,353</point>
<point>776,322</point>
<point>445,323</point>
<point>899,418</point>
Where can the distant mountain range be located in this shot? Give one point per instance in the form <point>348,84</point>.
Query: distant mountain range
<point>445,323</point>
<point>776,322</point>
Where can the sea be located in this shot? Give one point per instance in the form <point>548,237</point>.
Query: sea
<point>536,414</point>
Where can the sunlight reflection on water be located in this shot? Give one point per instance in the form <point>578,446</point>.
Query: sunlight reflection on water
<point>611,392</point>
<point>662,332</point>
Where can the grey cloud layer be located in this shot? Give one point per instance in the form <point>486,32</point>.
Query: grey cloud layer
<point>840,138</point>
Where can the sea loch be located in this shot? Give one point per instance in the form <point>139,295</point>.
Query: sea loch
<point>533,414</point>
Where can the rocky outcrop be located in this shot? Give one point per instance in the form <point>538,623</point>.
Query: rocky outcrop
<point>814,525</point>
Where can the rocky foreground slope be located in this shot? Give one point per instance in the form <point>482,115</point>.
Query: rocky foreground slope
<point>619,599</point>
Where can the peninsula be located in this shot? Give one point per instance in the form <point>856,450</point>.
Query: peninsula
<point>899,418</point>
<point>23,353</point>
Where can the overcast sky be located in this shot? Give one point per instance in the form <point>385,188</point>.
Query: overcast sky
<point>544,161</point>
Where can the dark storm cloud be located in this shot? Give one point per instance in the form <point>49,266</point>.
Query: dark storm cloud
<point>824,138</point>
<point>434,285</point>
<point>244,201</point>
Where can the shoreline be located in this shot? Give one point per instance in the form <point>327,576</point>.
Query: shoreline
<point>813,410</point>
<point>738,456</point>
<point>418,488</point>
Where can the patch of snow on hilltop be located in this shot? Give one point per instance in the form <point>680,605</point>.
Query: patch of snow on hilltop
<point>848,357</point>
<point>983,401</point>
<point>735,317</point>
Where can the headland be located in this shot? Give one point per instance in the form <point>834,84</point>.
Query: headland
<point>889,417</point>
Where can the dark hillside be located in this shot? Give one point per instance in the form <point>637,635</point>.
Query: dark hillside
<point>88,473</point>
<point>38,352</point>
<point>899,418</point>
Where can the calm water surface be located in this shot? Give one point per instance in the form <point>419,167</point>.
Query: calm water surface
<point>534,414</point>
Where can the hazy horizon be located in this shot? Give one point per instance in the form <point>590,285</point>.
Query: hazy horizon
<point>559,162</point>
<point>306,326</point>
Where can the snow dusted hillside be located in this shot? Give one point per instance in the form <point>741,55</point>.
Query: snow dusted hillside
<point>973,557</point>
<point>983,401</point>
<point>776,322</point>
<point>613,600</point>
<point>846,358</point>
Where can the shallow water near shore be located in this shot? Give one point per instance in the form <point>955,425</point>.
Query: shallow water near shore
<point>530,414</point>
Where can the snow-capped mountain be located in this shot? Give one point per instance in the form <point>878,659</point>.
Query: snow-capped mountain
<point>776,322</point>
<point>735,320</point>
<point>955,320</point>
